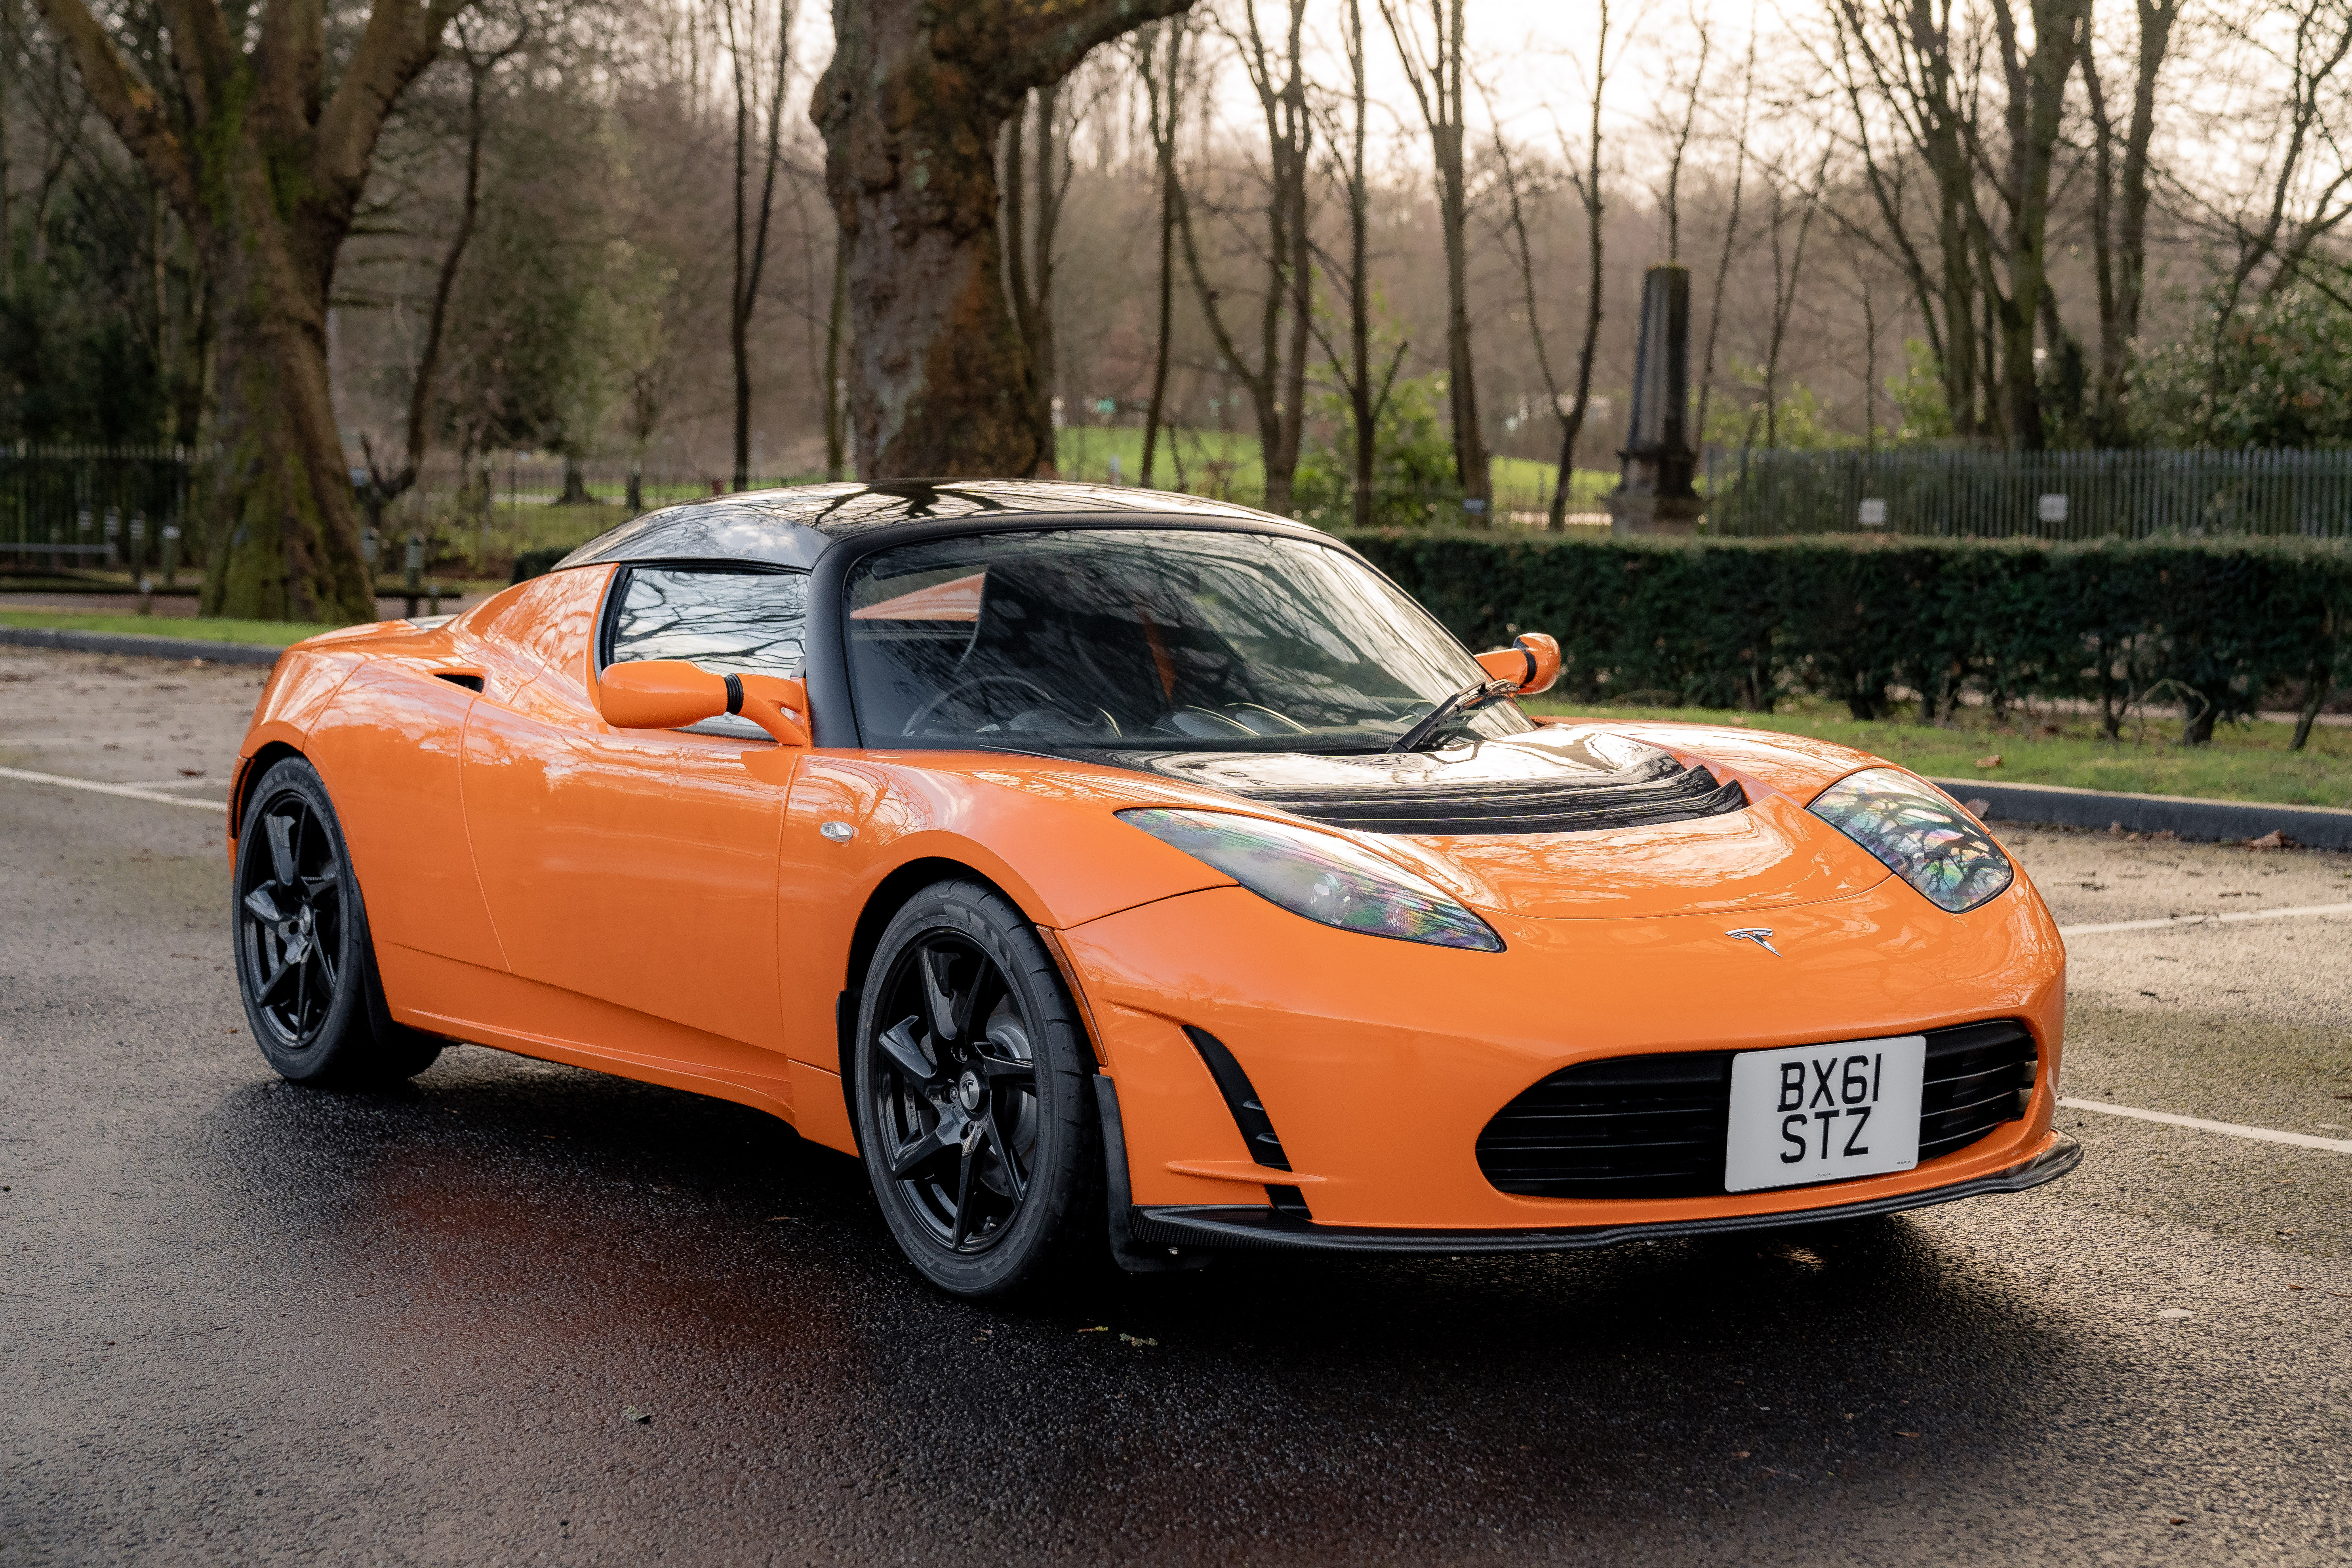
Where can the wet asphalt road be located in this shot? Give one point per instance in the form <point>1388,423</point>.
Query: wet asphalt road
<point>241,1321</point>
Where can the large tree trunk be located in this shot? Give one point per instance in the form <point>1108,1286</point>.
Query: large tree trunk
<point>283,531</point>
<point>911,108</point>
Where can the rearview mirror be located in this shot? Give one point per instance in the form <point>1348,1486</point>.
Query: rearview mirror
<point>670,694</point>
<point>1532,662</point>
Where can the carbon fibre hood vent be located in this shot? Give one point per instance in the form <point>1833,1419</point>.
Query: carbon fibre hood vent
<point>1532,783</point>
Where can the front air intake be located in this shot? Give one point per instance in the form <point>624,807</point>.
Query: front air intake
<point>1653,1126</point>
<point>1671,794</point>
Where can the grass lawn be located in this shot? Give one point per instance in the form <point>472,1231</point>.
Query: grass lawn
<point>196,628</point>
<point>2245,762</point>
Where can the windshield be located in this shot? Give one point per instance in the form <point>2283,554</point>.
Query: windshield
<point>1146,638</point>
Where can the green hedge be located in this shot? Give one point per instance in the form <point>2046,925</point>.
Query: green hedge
<point>1735,623</point>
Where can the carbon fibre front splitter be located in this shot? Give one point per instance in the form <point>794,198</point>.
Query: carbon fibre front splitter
<point>1252,1226</point>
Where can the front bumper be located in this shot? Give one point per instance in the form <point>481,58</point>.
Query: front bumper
<point>1234,1227</point>
<point>1380,1062</point>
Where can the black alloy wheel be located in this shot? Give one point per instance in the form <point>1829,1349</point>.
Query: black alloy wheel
<point>305,967</point>
<point>975,1112</point>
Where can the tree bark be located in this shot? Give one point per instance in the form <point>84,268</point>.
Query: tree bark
<point>911,108</point>
<point>265,166</point>
<point>837,332</point>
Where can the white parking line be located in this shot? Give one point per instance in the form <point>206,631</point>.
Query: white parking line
<point>129,790</point>
<point>2298,912</point>
<point>2230,1129</point>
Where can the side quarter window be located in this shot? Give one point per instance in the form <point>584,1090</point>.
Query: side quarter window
<point>735,622</point>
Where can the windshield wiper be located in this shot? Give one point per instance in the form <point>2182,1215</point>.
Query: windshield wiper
<point>1469,699</point>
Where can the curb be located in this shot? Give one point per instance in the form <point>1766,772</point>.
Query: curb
<point>2315,827</point>
<point>146,646</point>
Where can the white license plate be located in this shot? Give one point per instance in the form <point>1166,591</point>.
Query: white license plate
<point>1822,1113</point>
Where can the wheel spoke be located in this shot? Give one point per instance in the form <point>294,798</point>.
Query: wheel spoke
<point>1004,1160</point>
<point>994,1067</point>
<point>939,991</point>
<point>262,907</point>
<point>302,990</point>
<point>961,1227</point>
<point>326,967</point>
<point>281,829</point>
<point>270,986</point>
<point>325,885</point>
<point>913,1156</point>
<point>898,1040</point>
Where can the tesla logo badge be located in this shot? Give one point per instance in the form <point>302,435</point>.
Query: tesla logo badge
<point>1761,935</point>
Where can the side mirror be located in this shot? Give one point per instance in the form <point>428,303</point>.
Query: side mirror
<point>670,694</point>
<point>1532,662</point>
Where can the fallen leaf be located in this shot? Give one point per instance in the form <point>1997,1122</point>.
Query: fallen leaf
<point>2294,1287</point>
<point>1906,1433</point>
<point>2176,1521</point>
<point>1739,1454</point>
<point>2274,839</point>
<point>1097,1328</point>
<point>192,773</point>
<point>631,1413</point>
<point>774,1218</point>
<point>1991,761</point>
<point>1136,1339</point>
<point>2176,1312</point>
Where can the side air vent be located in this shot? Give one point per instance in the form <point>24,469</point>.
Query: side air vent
<point>470,682</point>
<point>1653,1126</point>
<point>1529,805</point>
<point>1249,1115</point>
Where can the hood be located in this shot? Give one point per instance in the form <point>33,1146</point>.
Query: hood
<point>1561,823</point>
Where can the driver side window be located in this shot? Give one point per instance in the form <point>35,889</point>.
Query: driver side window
<point>733,623</point>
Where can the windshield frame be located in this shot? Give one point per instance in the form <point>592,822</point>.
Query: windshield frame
<point>832,697</point>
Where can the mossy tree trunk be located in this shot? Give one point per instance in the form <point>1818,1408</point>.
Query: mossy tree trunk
<point>911,109</point>
<point>264,165</point>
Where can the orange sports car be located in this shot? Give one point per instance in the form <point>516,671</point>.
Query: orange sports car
<point>1114,870</point>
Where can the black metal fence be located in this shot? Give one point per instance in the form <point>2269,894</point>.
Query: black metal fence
<point>2033,495</point>
<point>120,507</point>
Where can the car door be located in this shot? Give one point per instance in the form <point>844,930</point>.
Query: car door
<point>638,867</point>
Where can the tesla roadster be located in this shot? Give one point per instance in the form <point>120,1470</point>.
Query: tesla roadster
<point>1116,870</point>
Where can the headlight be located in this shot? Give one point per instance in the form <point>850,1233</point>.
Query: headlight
<point>1323,878</point>
<point>1920,836</point>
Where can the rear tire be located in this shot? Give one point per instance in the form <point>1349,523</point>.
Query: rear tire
<point>305,964</point>
<point>971,1086</point>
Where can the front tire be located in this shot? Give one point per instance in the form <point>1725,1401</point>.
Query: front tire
<point>305,965</point>
<point>975,1115</point>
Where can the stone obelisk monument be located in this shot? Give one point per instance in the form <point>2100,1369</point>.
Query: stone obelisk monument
<point>1655,495</point>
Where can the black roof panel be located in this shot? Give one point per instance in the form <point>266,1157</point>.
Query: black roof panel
<point>792,526</point>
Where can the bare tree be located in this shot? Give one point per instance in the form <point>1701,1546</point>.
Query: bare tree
<point>1276,383</point>
<point>1788,271</point>
<point>480,60</point>
<point>2120,194</point>
<point>1677,133</point>
<point>760,61</point>
<point>1159,60</point>
<point>1730,238</point>
<point>1570,411</point>
<point>1365,401</point>
<point>263,152</point>
<point>1434,70</point>
<point>909,107</point>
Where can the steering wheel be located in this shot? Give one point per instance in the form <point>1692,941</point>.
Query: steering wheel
<point>914,725</point>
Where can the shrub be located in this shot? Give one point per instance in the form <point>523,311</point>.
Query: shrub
<point>1734,623</point>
